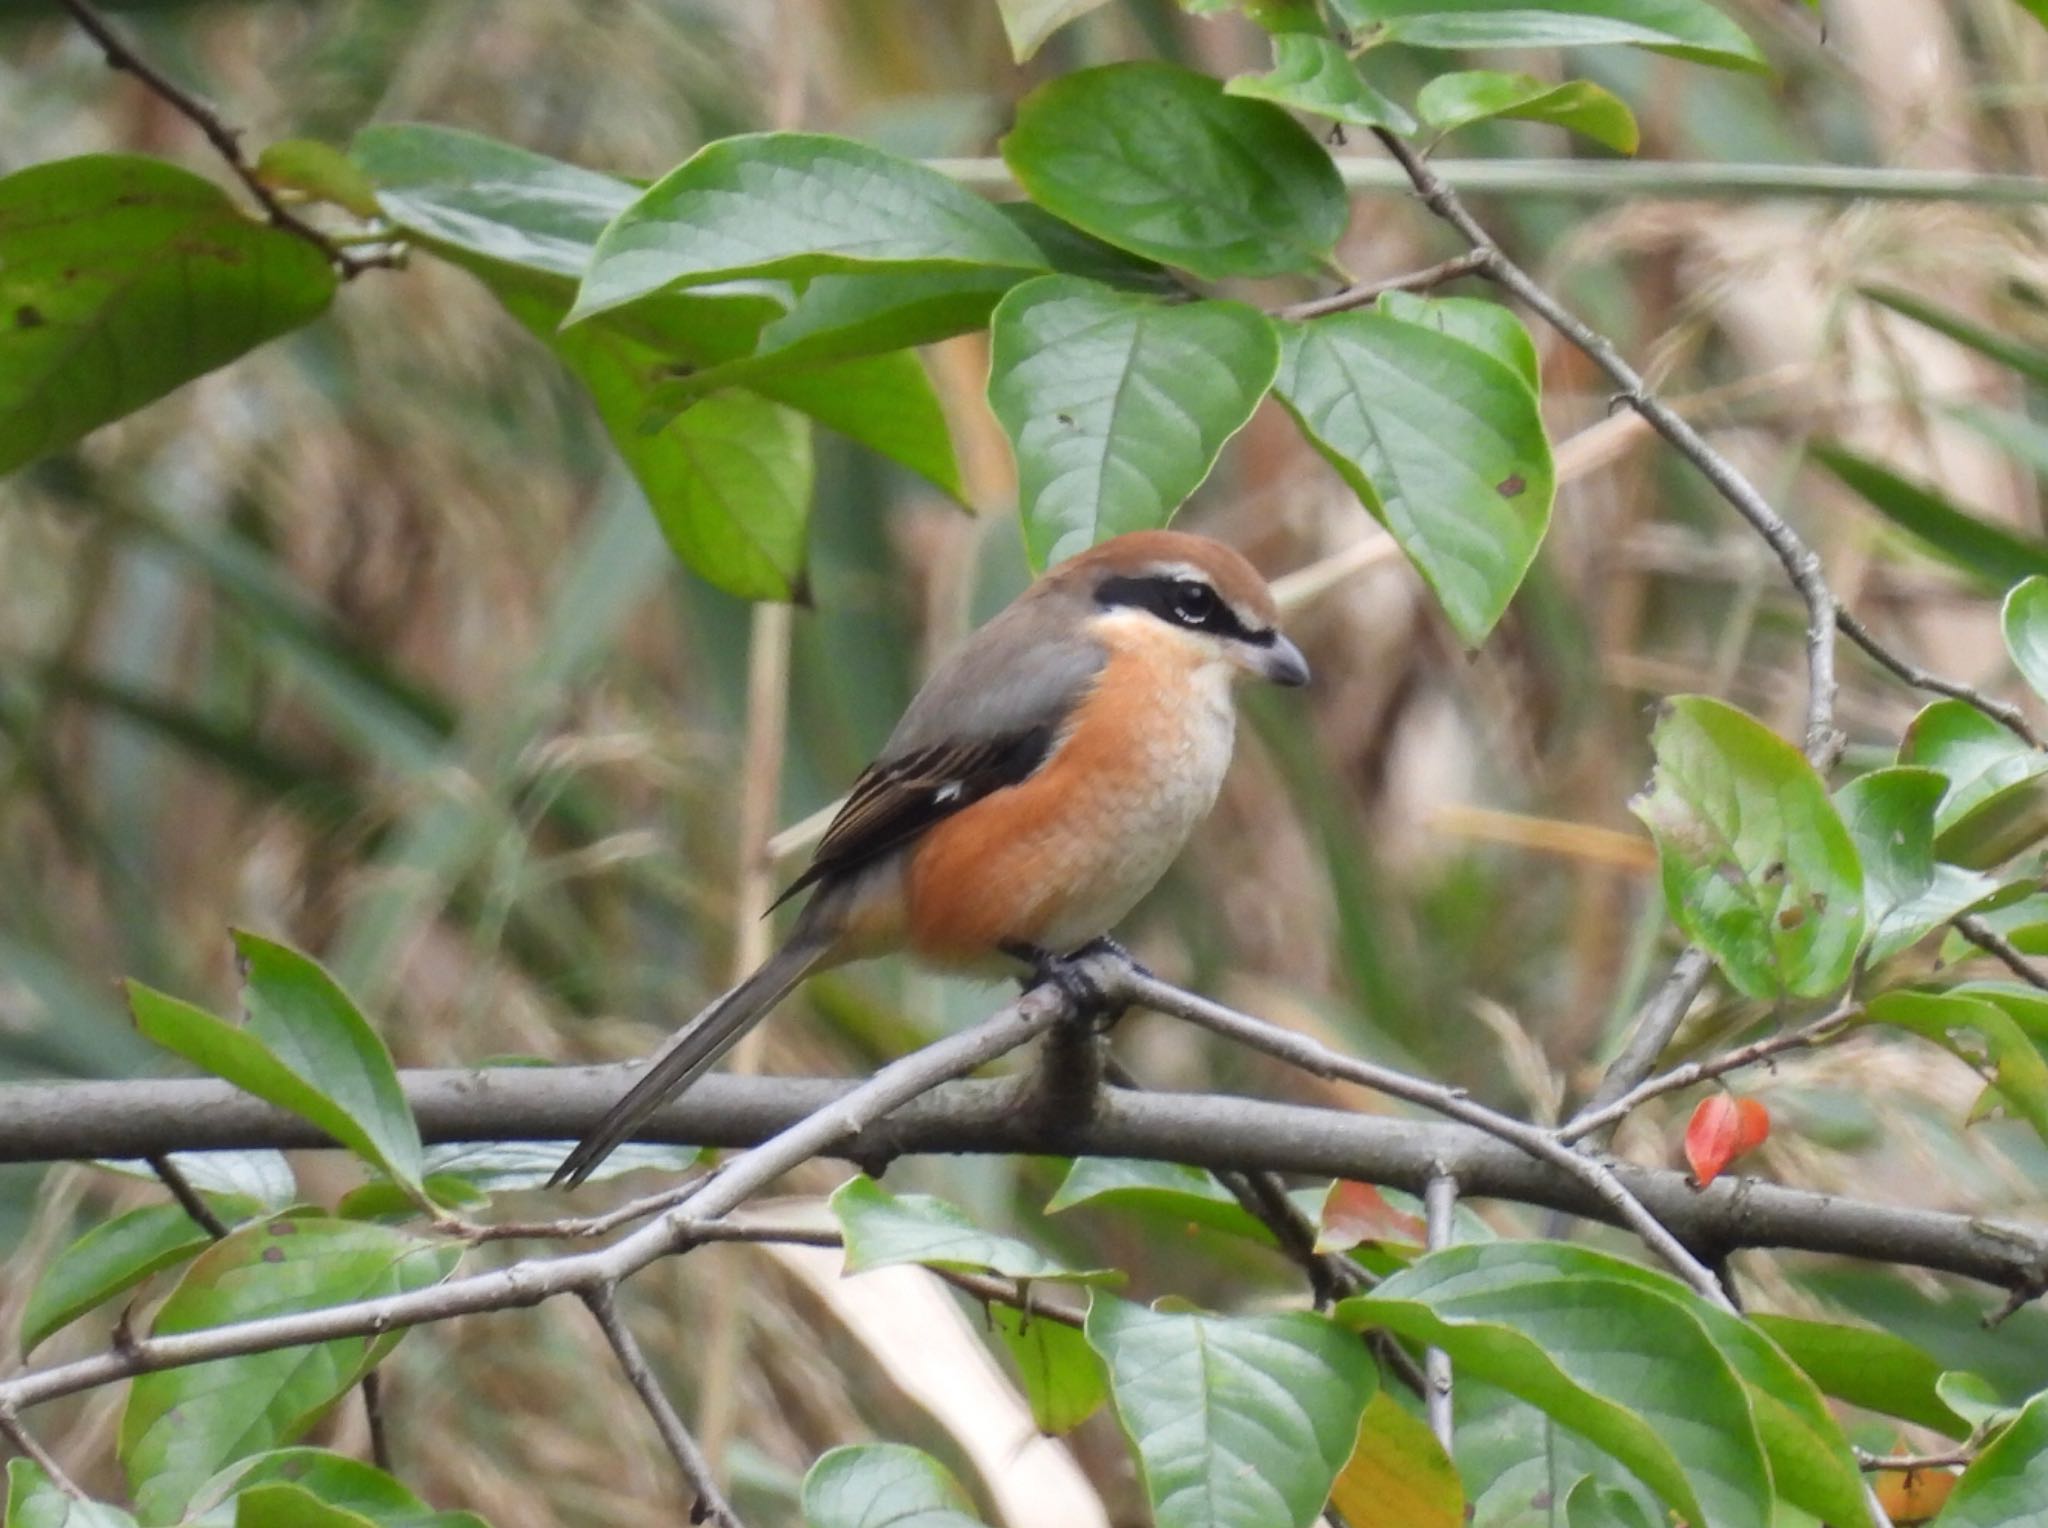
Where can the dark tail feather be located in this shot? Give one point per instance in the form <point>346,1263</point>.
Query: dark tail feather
<point>694,1050</point>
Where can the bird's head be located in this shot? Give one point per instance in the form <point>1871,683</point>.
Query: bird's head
<point>1200,595</point>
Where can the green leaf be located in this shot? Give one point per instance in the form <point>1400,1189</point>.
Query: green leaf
<point>1063,1379</point>
<point>1311,73</point>
<point>1907,893</point>
<point>300,1014</point>
<point>1027,23</point>
<point>241,1057</point>
<point>2025,619</point>
<point>1997,799</point>
<point>319,170</point>
<point>33,1501</point>
<point>1491,326</point>
<point>1683,28</point>
<point>501,1167</point>
<point>1866,1367</point>
<point>1117,406</point>
<point>1976,546</point>
<point>1757,867</point>
<point>1627,1363</point>
<point>115,1255</point>
<point>1398,1475</point>
<point>259,1175</point>
<point>2030,361</point>
<point>122,278</point>
<point>1169,1190</point>
<point>1973,1398</point>
<point>882,1228</point>
<point>884,1485</point>
<point>1980,1034</point>
<point>2038,9</point>
<point>361,1491</point>
<point>1158,160</point>
<point>793,204</point>
<point>1071,252</point>
<point>883,402</point>
<point>1452,101</point>
<point>2007,1483</point>
<point>280,1504</point>
<point>1239,1422</point>
<point>1440,439</point>
<point>1519,1465</point>
<point>183,1425</point>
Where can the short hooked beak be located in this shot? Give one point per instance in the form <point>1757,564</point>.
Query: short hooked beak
<point>1283,663</point>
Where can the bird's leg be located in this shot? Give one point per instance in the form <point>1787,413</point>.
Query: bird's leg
<point>1108,946</point>
<point>1070,974</point>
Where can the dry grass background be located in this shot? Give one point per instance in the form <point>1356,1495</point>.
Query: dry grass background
<point>366,642</point>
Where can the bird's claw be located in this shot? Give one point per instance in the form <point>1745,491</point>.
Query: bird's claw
<point>1073,978</point>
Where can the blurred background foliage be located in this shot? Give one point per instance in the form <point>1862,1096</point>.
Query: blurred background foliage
<point>368,642</point>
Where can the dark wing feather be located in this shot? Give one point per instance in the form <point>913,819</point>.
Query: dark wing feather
<point>896,799</point>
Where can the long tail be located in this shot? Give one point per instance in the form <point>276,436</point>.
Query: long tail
<point>693,1051</point>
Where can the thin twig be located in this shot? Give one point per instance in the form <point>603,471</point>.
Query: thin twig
<point>187,1196</point>
<point>575,1227</point>
<point>1989,940</point>
<point>120,55</point>
<point>1807,1035</point>
<point>2007,715</point>
<point>1318,1059</point>
<point>12,1429</point>
<point>1440,1203</point>
<point>1366,293</point>
<point>373,1413</point>
<point>710,1505</point>
<point>1652,1031</point>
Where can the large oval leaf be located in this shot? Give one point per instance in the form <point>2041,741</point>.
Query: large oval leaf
<point>35,1501</point>
<point>305,1048</point>
<point>884,1485</point>
<point>2026,630</point>
<point>1997,800</point>
<point>1441,439</point>
<point>1980,1033</point>
<point>1239,1422</point>
<point>1631,1368</point>
<point>794,204</point>
<point>1158,160</point>
<point>1117,406</point>
<point>115,1255</point>
<point>1907,893</point>
<point>1758,869</point>
<point>882,1228</point>
<point>122,278</point>
<point>1685,28</point>
<point>1313,74</point>
<point>181,1425</point>
<point>2006,1485</point>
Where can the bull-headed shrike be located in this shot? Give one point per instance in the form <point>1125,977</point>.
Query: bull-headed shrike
<point>1038,786</point>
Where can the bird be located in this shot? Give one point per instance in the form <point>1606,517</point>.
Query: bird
<point>1036,788</point>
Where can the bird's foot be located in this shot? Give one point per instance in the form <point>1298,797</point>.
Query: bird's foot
<point>1072,976</point>
<point>1108,946</point>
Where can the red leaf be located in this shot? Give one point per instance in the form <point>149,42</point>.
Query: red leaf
<point>1723,1128</point>
<point>1356,1212</point>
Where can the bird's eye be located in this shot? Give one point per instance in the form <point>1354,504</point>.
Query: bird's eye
<point>1194,604</point>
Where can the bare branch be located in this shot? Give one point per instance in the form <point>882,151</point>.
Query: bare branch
<point>1989,940</point>
<point>187,1196</point>
<point>1368,292</point>
<point>710,1505</point>
<point>1807,1035</point>
<point>1955,1458</point>
<point>1652,1031</point>
<point>26,1444</point>
<point>1314,1057</point>
<point>1919,678</point>
<point>1440,1203</point>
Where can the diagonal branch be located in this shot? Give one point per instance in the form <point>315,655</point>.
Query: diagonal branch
<point>121,55</point>
<point>710,1505</point>
<point>1314,1057</point>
